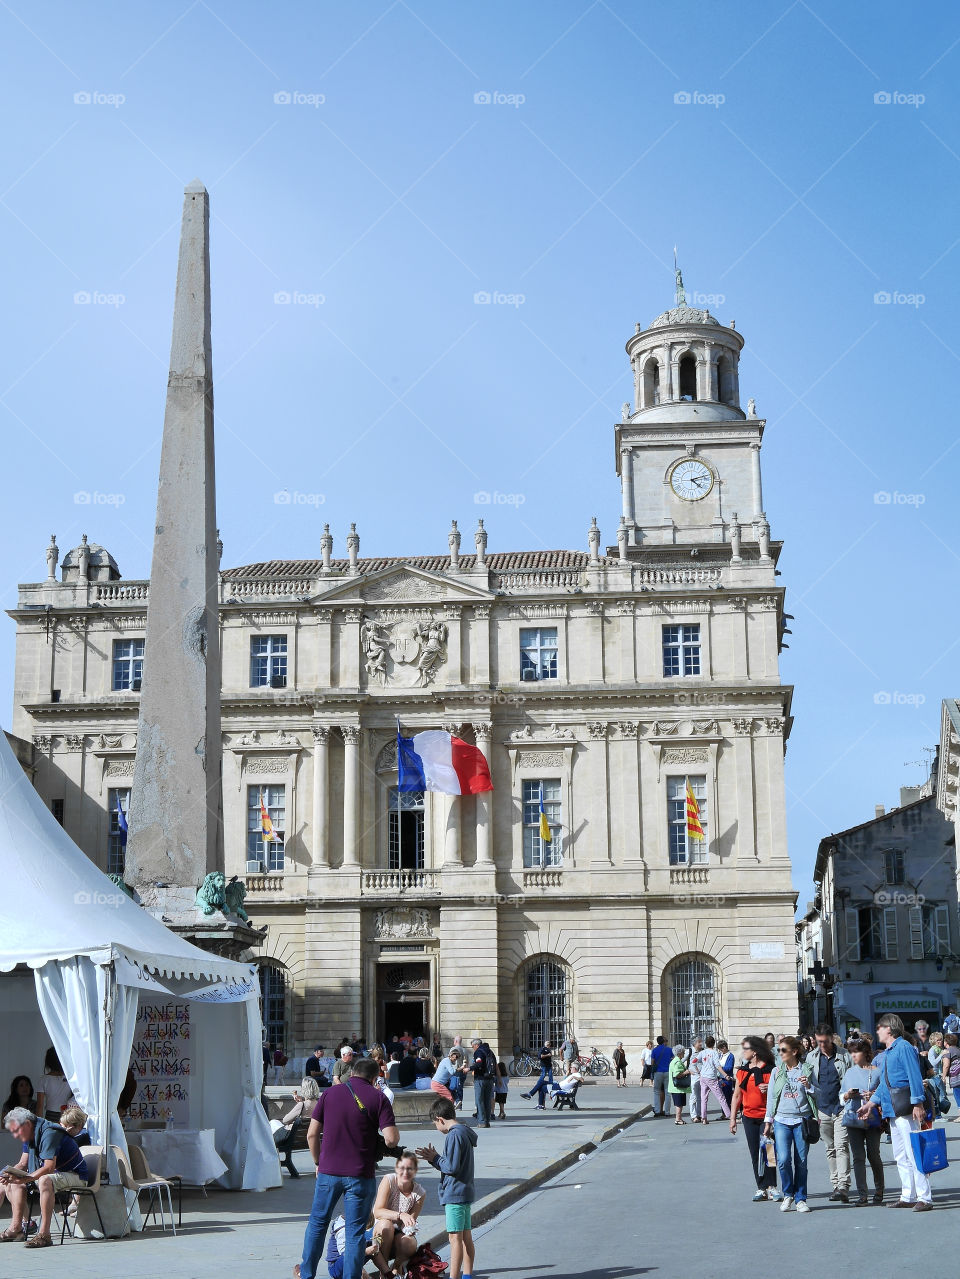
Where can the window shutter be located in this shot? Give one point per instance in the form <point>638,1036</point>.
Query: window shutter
<point>942,920</point>
<point>890,932</point>
<point>853,935</point>
<point>916,932</point>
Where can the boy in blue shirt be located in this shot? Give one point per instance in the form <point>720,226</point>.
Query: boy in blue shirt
<point>457,1192</point>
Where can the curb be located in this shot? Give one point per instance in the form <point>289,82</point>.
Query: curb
<point>505,1198</point>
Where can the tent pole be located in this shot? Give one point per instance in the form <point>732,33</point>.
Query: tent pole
<point>109,1006</point>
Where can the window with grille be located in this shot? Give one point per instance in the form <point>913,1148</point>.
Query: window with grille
<point>273,996</point>
<point>537,851</point>
<point>693,1002</point>
<point>547,1004</point>
<point>268,661</point>
<point>538,652</point>
<point>685,851</point>
<point>681,650</point>
<point>893,866</point>
<point>116,847</point>
<point>56,807</point>
<point>127,664</point>
<point>405,830</point>
<point>268,853</point>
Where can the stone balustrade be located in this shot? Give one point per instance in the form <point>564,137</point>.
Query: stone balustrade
<point>272,883</point>
<point>689,875</point>
<point>523,581</point>
<point>677,575</point>
<point>121,592</point>
<point>540,878</point>
<point>399,881</point>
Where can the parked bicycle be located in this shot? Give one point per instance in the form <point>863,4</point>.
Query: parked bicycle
<point>595,1064</point>
<point>523,1064</point>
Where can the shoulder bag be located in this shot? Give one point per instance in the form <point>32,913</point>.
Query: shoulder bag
<point>810,1123</point>
<point>899,1097</point>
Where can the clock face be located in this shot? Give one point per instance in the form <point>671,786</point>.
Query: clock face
<point>691,479</point>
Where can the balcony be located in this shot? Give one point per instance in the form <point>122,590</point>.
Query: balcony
<point>540,878</point>
<point>689,875</point>
<point>386,882</point>
<point>265,883</point>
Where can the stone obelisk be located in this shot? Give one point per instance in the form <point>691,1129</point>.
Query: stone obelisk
<point>176,816</point>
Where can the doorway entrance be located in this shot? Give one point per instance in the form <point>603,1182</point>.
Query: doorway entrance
<point>403,999</point>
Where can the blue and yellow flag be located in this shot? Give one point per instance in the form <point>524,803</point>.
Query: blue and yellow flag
<point>545,832</point>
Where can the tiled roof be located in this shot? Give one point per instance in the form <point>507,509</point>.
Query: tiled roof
<point>498,562</point>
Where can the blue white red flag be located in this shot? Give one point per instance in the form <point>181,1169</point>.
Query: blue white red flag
<point>440,762</point>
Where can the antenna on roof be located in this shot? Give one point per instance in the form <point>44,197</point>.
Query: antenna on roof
<point>680,292</point>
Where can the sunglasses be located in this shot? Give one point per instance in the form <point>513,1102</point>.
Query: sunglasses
<point>785,1050</point>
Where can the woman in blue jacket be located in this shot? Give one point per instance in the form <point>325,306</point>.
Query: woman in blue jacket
<point>900,1098</point>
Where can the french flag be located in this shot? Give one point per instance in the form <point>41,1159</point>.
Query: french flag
<point>438,761</point>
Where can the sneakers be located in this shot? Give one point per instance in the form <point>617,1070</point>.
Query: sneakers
<point>774,1194</point>
<point>786,1205</point>
<point>761,1194</point>
<point>803,1206</point>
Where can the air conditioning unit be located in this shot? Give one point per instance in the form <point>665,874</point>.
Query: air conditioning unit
<point>528,674</point>
<point>255,868</point>
<point>135,685</point>
<point>278,681</point>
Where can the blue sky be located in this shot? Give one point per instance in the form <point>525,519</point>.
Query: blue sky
<point>381,196</point>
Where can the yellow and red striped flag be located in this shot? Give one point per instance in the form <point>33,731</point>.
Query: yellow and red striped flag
<point>694,829</point>
<point>266,825</point>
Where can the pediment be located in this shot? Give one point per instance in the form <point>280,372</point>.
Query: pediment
<point>402,585</point>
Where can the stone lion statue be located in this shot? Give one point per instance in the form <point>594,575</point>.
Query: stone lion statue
<point>235,893</point>
<point>211,895</point>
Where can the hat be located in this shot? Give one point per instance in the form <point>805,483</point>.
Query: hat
<point>346,1051</point>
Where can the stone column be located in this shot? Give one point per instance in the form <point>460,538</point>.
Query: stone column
<point>321,796</point>
<point>755,474</point>
<point>483,732</point>
<point>351,788</point>
<point>711,390</point>
<point>626,484</point>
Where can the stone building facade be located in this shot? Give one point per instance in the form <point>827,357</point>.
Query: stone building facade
<point>608,677</point>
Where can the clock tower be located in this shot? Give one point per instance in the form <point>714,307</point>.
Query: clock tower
<point>688,456</point>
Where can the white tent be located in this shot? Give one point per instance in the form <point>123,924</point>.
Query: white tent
<point>92,951</point>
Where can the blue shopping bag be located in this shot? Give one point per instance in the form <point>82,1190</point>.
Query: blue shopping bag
<point>929,1149</point>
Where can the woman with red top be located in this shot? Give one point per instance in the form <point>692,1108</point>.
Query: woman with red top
<point>750,1100</point>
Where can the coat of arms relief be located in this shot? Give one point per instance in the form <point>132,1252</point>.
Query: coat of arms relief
<point>403,653</point>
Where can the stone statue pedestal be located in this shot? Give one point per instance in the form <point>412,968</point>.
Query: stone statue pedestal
<point>221,933</point>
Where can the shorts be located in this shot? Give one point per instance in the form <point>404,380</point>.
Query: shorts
<point>679,1099</point>
<point>66,1181</point>
<point>458,1217</point>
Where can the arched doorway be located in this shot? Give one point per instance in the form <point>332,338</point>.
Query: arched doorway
<point>692,997</point>
<point>545,1002</point>
<point>273,1003</point>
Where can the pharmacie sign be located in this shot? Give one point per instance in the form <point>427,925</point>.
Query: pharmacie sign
<point>906,1004</point>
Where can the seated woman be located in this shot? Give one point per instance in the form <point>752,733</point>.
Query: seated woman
<point>304,1099</point>
<point>21,1094</point>
<point>448,1077</point>
<point>399,1202</point>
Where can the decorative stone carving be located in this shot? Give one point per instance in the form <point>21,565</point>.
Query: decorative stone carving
<point>597,730</point>
<point>403,586</point>
<point>774,724</point>
<point>119,768</point>
<point>283,738</point>
<point>387,758</point>
<point>110,741</point>
<point>73,742</point>
<point>273,619</point>
<point>481,612</point>
<point>624,608</point>
<point>321,733</point>
<point>234,894</point>
<point>211,895</point>
<point>595,607</point>
<point>743,727</point>
<point>480,542</point>
<point>706,726</point>
<point>404,653</point>
<point>351,734</point>
<point>683,755</point>
<point>628,728</point>
<point>53,558</point>
<point>663,728</point>
<point>524,734</point>
<point>403,922</point>
<point>531,611</point>
<point>250,739</point>
<point>375,644</point>
<point>483,732</point>
<point>269,764</point>
<point>542,759</point>
<point>453,728</point>
<point>42,742</point>
<point>562,732</point>
<point>352,614</point>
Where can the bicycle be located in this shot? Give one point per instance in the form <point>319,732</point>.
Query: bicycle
<point>595,1064</point>
<point>523,1064</point>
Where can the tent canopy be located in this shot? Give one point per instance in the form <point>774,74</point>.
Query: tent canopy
<point>58,905</point>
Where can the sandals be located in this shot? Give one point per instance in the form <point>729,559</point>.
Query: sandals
<point>679,1122</point>
<point>39,1241</point>
<point>11,1236</point>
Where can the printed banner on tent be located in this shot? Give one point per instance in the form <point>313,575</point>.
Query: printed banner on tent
<point>130,973</point>
<point>160,1062</point>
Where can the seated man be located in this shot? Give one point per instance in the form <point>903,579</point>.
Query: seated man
<point>407,1070</point>
<point>565,1086</point>
<point>316,1068</point>
<point>57,1164</point>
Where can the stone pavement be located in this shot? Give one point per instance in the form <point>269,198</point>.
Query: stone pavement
<point>255,1236</point>
<point>668,1202</point>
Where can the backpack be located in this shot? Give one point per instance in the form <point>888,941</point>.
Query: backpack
<point>425,1263</point>
<point>952,1024</point>
<point>489,1063</point>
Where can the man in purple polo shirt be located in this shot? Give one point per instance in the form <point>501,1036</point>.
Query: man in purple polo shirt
<point>349,1119</point>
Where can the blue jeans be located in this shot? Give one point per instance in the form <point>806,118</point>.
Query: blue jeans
<point>483,1096</point>
<point>546,1073</point>
<point>358,1196</point>
<point>791,1160</point>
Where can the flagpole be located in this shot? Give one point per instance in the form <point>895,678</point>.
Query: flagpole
<point>399,812</point>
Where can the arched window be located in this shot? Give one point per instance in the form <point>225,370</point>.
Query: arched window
<point>693,1001</point>
<point>724,381</point>
<point>651,384</point>
<point>688,377</point>
<point>546,994</point>
<point>273,1000</point>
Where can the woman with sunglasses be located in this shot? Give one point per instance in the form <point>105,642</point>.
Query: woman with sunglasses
<point>789,1102</point>
<point>859,1084</point>
<point>750,1101</point>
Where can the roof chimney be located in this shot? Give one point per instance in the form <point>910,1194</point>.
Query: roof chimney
<point>879,811</point>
